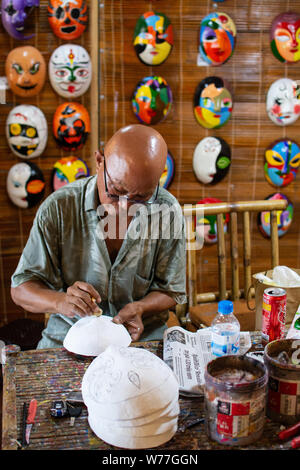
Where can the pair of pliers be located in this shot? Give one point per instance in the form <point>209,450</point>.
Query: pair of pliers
<point>289,432</point>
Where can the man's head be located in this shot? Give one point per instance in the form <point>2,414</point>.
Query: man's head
<point>135,158</point>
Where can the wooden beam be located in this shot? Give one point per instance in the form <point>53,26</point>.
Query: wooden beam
<point>94,89</point>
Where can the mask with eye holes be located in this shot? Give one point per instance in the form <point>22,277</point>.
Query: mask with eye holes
<point>14,14</point>
<point>68,20</point>
<point>26,131</point>
<point>25,70</point>
<point>71,126</point>
<point>70,70</point>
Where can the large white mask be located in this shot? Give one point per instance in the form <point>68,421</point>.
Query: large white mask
<point>26,131</point>
<point>283,101</point>
<point>70,70</point>
<point>25,184</point>
<point>211,160</point>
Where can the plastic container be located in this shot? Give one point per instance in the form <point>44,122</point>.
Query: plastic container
<point>225,331</point>
<point>235,399</point>
<point>283,404</point>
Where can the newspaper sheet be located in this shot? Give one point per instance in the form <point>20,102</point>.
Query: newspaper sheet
<point>188,353</point>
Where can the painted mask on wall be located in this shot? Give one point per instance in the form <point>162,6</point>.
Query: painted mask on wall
<point>70,70</point>
<point>285,37</point>
<point>282,160</point>
<point>14,14</point>
<point>68,20</point>
<point>152,100</point>
<point>283,101</point>
<point>284,218</point>
<point>217,38</point>
<point>168,173</point>
<point>211,160</point>
<point>66,170</point>
<point>26,131</point>
<point>71,126</point>
<point>212,103</point>
<point>25,70</point>
<point>25,184</point>
<point>206,227</point>
<point>153,38</point>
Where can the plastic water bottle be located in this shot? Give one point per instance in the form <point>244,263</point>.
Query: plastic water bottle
<point>225,331</point>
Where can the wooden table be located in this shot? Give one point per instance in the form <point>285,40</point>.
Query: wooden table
<point>51,374</point>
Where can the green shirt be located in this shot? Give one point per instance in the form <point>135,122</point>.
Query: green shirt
<point>66,244</point>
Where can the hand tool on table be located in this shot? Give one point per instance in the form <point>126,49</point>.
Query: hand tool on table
<point>25,412</point>
<point>74,412</point>
<point>289,432</point>
<point>30,418</point>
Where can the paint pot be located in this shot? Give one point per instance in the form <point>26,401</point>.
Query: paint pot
<point>235,399</point>
<point>283,403</point>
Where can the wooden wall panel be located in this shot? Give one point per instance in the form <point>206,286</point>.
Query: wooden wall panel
<point>250,71</point>
<point>15,223</point>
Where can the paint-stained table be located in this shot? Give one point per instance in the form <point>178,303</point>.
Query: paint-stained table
<point>51,374</point>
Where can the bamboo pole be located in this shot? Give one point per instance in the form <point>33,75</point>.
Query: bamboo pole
<point>221,256</point>
<point>234,256</point>
<point>274,239</point>
<point>191,262</point>
<point>214,296</point>
<point>94,89</point>
<point>247,252</point>
<point>241,206</point>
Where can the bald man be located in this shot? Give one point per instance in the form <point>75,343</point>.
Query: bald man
<point>92,244</point>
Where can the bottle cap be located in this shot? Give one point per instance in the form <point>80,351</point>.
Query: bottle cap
<point>225,307</point>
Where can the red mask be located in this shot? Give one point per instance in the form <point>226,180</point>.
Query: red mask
<point>71,126</point>
<point>67,19</point>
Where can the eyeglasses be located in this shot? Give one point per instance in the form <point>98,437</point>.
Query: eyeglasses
<point>115,197</point>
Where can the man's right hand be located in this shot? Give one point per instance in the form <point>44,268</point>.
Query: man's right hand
<point>78,300</point>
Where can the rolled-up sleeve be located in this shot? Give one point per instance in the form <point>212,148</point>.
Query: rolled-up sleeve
<point>170,268</point>
<point>40,259</point>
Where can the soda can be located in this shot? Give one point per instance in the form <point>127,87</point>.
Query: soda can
<point>273,314</point>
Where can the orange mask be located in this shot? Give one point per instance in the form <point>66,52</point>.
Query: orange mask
<point>71,126</point>
<point>67,19</point>
<point>25,70</point>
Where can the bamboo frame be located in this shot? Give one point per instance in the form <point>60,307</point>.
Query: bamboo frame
<point>219,209</point>
<point>94,89</point>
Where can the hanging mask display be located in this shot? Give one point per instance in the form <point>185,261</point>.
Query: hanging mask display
<point>68,20</point>
<point>283,101</point>
<point>284,218</point>
<point>212,103</point>
<point>26,131</point>
<point>152,100</point>
<point>153,38</point>
<point>14,14</point>
<point>217,38</point>
<point>211,160</point>
<point>206,227</point>
<point>25,184</point>
<point>285,37</point>
<point>66,170</point>
<point>25,70</point>
<point>282,160</point>
<point>71,126</point>
<point>168,173</point>
<point>70,70</point>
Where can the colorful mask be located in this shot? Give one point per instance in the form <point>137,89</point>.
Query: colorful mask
<point>206,227</point>
<point>212,103</point>
<point>153,38</point>
<point>67,19</point>
<point>70,70</point>
<point>14,14</point>
<point>25,184</point>
<point>71,126</point>
<point>26,131</point>
<point>285,37</point>
<point>212,159</point>
<point>68,169</point>
<point>25,70</point>
<point>282,160</point>
<point>168,173</point>
<point>283,101</point>
<point>217,38</point>
<point>284,218</point>
<point>152,100</point>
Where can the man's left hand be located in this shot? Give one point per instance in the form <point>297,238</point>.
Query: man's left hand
<point>131,317</point>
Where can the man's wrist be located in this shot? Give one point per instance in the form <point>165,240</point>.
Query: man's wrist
<point>140,308</point>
